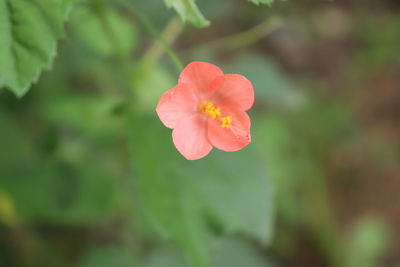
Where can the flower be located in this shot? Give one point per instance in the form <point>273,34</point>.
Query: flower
<point>206,109</point>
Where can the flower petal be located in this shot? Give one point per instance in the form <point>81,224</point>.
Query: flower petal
<point>230,139</point>
<point>190,137</point>
<point>175,104</point>
<point>199,75</point>
<point>232,91</point>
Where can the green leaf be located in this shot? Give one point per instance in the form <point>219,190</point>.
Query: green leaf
<point>99,122</point>
<point>94,35</point>
<point>228,252</point>
<point>165,256</point>
<point>188,11</point>
<point>367,242</point>
<point>233,252</point>
<point>28,36</point>
<point>106,257</point>
<point>278,140</point>
<point>188,201</point>
<point>278,91</point>
<point>237,192</point>
<point>151,81</point>
<point>268,2</point>
<point>54,190</point>
<point>169,199</point>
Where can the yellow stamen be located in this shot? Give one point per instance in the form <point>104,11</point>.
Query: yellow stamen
<point>226,121</point>
<point>210,110</point>
<point>215,113</point>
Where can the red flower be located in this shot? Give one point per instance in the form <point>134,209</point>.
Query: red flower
<point>207,108</point>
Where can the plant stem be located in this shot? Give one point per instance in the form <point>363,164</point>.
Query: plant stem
<point>242,39</point>
<point>153,31</point>
<point>169,34</point>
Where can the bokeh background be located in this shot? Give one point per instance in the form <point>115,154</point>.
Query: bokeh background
<point>89,175</point>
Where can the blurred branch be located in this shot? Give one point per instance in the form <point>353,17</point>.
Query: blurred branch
<point>153,31</point>
<point>242,39</point>
<point>170,33</point>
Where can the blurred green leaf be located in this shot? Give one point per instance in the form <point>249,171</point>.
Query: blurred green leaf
<point>182,198</point>
<point>170,202</point>
<point>379,42</point>
<point>188,11</point>
<point>151,81</point>
<point>227,252</point>
<point>367,242</point>
<point>288,160</point>
<point>294,144</point>
<point>237,192</point>
<point>300,138</point>
<point>233,252</point>
<point>106,257</point>
<point>28,36</point>
<point>57,190</point>
<point>94,116</point>
<point>271,85</point>
<point>102,29</point>
<point>165,256</point>
<point>268,2</point>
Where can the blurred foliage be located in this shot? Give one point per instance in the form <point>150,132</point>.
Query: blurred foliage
<point>108,257</point>
<point>95,34</point>
<point>368,241</point>
<point>182,197</point>
<point>262,1</point>
<point>89,175</point>
<point>188,11</point>
<point>229,252</point>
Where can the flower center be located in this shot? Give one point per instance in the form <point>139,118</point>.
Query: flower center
<point>215,113</point>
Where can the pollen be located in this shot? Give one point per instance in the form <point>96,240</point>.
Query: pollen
<point>210,110</point>
<point>226,121</point>
<point>215,113</point>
